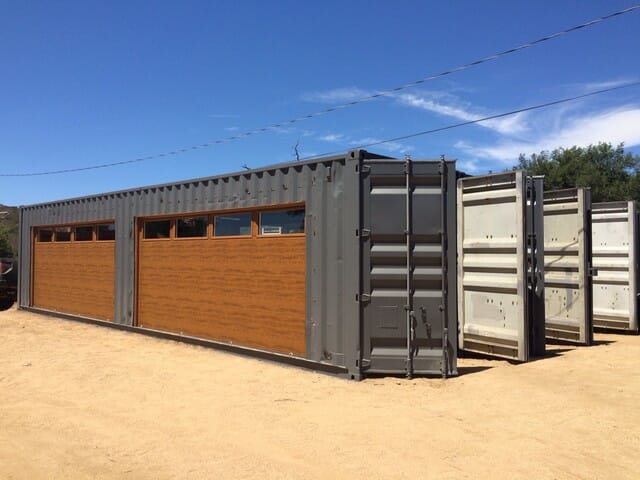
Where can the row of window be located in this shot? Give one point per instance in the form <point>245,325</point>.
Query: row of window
<point>79,233</point>
<point>279,222</point>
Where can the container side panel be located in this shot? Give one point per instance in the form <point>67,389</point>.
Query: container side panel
<point>332,266</point>
<point>330,190</point>
<point>614,233</point>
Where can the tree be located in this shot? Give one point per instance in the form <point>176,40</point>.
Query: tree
<point>5,244</point>
<point>611,173</point>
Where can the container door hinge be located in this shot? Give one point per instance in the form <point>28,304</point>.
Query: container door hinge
<point>363,298</point>
<point>365,169</point>
<point>363,233</point>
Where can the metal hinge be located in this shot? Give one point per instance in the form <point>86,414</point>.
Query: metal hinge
<point>363,233</point>
<point>364,169</point>
<point>363,298</point>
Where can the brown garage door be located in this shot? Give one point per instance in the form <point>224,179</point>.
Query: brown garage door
<point>235,277</point>
<point>73,270</point>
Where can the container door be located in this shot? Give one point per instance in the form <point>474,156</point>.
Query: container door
<point>404,301</point>
<point>500,287</point>
<point>567,265</point>
<point>615,245</point>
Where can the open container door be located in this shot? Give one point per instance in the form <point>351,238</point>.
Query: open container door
<point>500,265</point>
<point>407,240</point>
<point>567,265</point>
<point>615,263</point>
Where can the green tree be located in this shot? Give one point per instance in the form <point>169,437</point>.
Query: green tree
<point>5,244</point>
<point>611,173</point>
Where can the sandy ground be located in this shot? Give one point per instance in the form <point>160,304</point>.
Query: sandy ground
<point>81,401</point>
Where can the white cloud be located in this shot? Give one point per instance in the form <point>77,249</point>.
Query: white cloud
<point>614,126</point>
<point>469,166</point>
<point>593,86</point>
<point>344,94</point>
<point>511,125</point>
<point>231,129</point>
<point>332,137</point>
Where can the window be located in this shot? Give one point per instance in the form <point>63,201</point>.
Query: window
<point>281,222</point>
<point>62,234</point>
<point>106,232</point>
<point>191,227</point>
<point>157,229</point>
<point>232,224</point>
<point>83,233</point>
<point>45,235</point>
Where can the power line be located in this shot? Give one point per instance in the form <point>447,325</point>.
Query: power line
<point>382,93</point>
<point>483,119</point>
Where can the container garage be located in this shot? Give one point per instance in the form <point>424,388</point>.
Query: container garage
<point>615,263</point>
<point>340,263</point>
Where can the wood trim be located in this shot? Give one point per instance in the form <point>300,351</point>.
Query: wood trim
<point>137,226</point>
<point>34,233</point>
<point>255,224</point>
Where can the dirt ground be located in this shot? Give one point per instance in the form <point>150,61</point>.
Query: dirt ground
<point>80,401</point>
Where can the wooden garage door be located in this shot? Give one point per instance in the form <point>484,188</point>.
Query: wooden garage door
<point>75,277</point>
<point>235,278</point>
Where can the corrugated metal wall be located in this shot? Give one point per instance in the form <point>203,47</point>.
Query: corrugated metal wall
<point>332,248</point>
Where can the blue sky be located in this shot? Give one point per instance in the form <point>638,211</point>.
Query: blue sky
<point>89,82</point>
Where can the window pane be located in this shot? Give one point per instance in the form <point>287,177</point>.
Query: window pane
<point>276,223</point>
<point>62,234</point>
<point>191,227</point>
<point>83,234</point>
<point>157,229</point>
<point>106,232</point>
<point>45,235</point>
<point>232,224</point>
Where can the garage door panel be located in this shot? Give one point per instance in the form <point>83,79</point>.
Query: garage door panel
<point>246,291</point>
<point>75,278</point>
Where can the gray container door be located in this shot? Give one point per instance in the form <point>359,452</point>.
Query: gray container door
<point>500,266</point>
<point>404,304</point>
<point>615,245</point>
<point>567,262</point>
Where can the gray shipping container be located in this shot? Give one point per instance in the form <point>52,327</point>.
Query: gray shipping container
<point>379,237</point>
<point>501,265</point>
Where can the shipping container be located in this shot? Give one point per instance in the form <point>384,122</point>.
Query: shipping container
<point>501,265</point>
<point>339,263</point>
<point>615,263</point>
<point>567,265</point>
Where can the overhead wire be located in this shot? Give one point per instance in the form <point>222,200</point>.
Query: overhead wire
<point>479,120</point>
<point>379,94</point>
